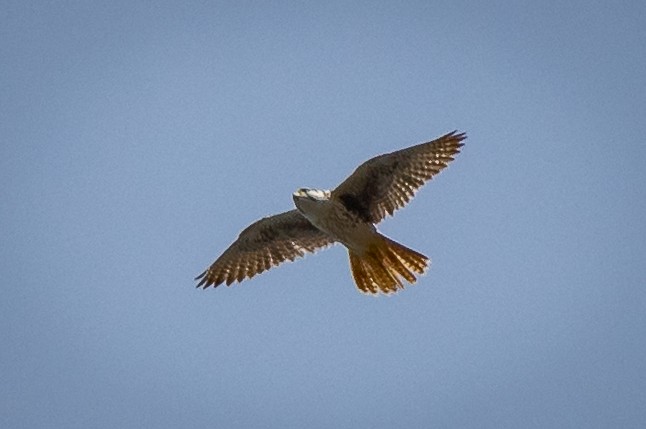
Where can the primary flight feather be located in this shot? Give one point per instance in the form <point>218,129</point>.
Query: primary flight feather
<point>345,215</point>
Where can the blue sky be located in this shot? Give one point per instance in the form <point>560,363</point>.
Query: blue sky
<point>138,139</point>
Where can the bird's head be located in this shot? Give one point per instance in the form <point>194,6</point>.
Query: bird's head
<point>310,201</point>
<point>312,194</point>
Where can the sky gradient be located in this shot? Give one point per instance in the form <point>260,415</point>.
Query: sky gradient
<point>138,139</point>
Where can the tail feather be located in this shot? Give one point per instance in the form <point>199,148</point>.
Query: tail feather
<point>361,276</point>
<point>381,267</point>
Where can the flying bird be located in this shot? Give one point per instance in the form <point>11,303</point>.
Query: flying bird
<point>346,215</point>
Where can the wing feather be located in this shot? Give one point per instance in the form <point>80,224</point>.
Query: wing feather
<point>263,244</point>
<point>388,182</point>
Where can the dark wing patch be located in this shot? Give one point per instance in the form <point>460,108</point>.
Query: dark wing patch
<point>358,206</point>
<point>262,245</point>
<point>387,182</point>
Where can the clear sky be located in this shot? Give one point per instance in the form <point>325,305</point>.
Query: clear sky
<point>137,139</point>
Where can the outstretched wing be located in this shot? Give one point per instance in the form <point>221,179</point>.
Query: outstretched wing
<point>387,182</point>
<point>262,245</point>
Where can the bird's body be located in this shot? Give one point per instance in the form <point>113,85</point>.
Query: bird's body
<point>346,215</point>
<point>333,218</point>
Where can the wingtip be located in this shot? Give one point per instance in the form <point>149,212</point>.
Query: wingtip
<point>204,282</point>
<point>458,135</point>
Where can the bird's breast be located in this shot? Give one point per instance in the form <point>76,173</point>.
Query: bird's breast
<point>335,220</point>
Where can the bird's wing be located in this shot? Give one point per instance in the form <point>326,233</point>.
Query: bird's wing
<point>262,245</point>
<point>387,182</point>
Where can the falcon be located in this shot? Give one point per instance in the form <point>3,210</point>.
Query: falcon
<point>346,215</point>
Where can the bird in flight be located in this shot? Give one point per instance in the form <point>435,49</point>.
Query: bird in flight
<point>346,215</point>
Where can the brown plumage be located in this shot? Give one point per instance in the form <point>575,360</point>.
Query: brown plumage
<point>264,244</point>
<point>347,215</point>
<point>380,268</point>
<point>387,182</point>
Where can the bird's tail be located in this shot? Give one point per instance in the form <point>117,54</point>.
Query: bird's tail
<point>380,267</point>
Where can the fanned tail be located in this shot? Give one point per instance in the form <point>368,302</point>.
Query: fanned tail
<point>382,266</point>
